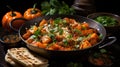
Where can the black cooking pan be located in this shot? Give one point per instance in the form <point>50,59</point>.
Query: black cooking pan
<point>66,54</point>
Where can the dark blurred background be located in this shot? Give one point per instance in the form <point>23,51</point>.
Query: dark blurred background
<point>21,5</point>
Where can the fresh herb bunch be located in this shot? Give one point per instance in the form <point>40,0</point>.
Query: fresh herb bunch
<point>52,7</point>
<point>106,20</point>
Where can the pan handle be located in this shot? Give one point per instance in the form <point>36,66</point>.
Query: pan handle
<point>112,38</point>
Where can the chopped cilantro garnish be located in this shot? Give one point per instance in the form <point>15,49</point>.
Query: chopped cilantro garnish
<point>69,36</point>
<point>60,31</point>
<point>37,33</point>
<point>57,20</point>
<point>77,31</point>
<point>65,42</point>
<point>101,36</point>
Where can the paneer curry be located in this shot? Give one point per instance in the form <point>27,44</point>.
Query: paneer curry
<point>63,34</point>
